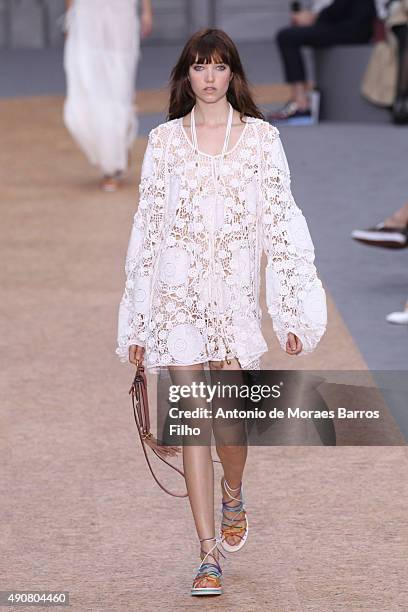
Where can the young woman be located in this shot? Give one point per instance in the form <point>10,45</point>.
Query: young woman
<point>100,59</point>
<point>214,193</point>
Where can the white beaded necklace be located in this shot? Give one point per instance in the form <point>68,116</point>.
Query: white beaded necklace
<point>226,139</point>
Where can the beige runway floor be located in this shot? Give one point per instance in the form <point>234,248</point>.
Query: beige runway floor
<point>80,512</point>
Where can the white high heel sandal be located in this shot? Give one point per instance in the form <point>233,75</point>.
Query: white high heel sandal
<point>228,527</point>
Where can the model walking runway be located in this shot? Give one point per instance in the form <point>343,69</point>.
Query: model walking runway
<point>67,428</point>
<point>101,55</point>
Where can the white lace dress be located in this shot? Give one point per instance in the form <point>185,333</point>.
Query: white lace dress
<point>100,58</point>
<point>193,265</point>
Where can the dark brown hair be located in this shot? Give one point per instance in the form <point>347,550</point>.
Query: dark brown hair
<point>206,46</point>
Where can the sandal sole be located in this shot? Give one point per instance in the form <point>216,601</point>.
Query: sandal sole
<point>205,591</point>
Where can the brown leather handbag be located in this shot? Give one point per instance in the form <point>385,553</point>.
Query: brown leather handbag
<point>140,404</point>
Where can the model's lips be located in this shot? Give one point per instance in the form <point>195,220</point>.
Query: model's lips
<point>210,89</point>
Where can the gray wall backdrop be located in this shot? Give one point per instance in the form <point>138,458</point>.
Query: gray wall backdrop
<point>34,23</point>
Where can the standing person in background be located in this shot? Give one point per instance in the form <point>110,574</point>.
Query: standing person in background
<point>342,22</point>
<point>100,59</point>
<point>392,233</point>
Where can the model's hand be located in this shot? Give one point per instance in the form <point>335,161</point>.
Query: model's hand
<point>303,18</point>
<point>293,344</point>
<point>146,23</point>
<point>136,353</point>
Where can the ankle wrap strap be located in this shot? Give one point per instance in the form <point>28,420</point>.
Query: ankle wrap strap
<point>238,508</point>
<point>209,553</point>
<point>228,490</point>
<point>204,539</point>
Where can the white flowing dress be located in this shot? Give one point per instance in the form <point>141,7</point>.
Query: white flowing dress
<point>193,260</point>
<point>100,60</point>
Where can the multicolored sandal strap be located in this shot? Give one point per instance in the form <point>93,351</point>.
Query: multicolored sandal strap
<point>228,524</point>
<point>208,570</point>
<point>233,530</point>
<point>209,553</point>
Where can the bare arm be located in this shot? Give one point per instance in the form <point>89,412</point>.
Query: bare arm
<point>146,18</point>
<point>68,4</point>
<point>303,18</point>
<point>146,6</point>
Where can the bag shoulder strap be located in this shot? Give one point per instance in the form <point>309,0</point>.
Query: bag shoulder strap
<point>138,392</point>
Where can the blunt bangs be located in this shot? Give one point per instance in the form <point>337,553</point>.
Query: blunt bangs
<point>209,49</point>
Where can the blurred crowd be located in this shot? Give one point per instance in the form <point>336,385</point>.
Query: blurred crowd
<point>322,24</point>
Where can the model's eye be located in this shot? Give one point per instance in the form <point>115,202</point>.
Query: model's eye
<point>198,66</point>
<point>221,66</point>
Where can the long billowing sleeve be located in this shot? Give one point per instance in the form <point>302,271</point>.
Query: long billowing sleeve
<point>142,250</point>
<point>295,296</point>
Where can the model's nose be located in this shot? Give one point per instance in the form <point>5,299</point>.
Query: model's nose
<point>209,75</point>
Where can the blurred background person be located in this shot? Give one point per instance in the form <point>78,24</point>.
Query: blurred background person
<point>392,233</point>
<point>341,22</point>
<point>398,22</point>
<point>386,80</point>
<point>100,60</point>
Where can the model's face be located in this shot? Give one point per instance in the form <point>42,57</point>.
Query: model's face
<point>210,82</point>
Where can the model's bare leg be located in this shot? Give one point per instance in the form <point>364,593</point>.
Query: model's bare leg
<point>232,455</point>
<point>198,467</point>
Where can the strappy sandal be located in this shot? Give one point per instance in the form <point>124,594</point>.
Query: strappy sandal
<point>228,525</point>
<point>210,571</point>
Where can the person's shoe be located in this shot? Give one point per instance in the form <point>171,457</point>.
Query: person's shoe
<point>400,110</point>
<point>110,183</point>
<point>231,527</point>
<point>207,572</point>
<point>399,318</point>
<point>382,236</point>
<point>290,114</point>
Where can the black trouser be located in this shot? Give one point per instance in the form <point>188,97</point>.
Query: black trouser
<point>290,40</point>
<point>401,32</point>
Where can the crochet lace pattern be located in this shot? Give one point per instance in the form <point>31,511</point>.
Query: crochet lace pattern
<point>193,264</point>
